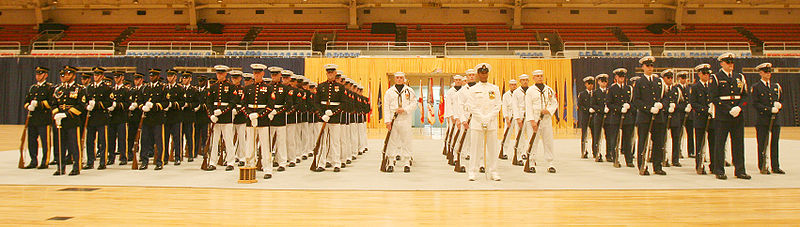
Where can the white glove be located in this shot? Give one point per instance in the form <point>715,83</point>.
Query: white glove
<point>253,122</point>
<point>272,114</point>
<point>325,118</point>
<point>146,108</point>
<point>606,110</point>
<point>654,110</point>
<point>214,118</point>
<point>626,105</point>
<point>196,108</point>
<point>90,107</point>
<point>671,109</point>
<point>32,106</point>
<point>775,104</point>
<point>735,111</point>
<point>710,110</point>
<point>168,106</point>
<point>591,110</point>
<point>774,110</point>
<point>58,118</point>
<point>233,111</point>
<point>217,112</point>
<point>185,105</point>
<point>149,105</point>
<point>688,108</point>
<point>658,105</point>
<point>672,105</point>
<point>113,106</point>
<point>329,112</point>
<point>624,110</point>
<point>253,116</point>
<point>35,103</point>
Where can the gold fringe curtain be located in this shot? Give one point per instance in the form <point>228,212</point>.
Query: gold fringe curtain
<point>371,72</point>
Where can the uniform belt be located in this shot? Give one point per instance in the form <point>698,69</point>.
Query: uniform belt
<point>257,106</point>
<point>730,97</point>
<point>330,103</point>
<point>278,106</point>
<point>64,106</point>
<point>221,103</point>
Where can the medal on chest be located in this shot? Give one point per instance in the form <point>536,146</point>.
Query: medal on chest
<point>491,95</point>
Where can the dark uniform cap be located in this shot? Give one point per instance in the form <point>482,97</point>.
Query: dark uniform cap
<point>172,72</point>
<point>138,75</point>
<point>154,72</point>
<point>119,73</point>
<point>86,75</point>
<point>98,70</point>
<point>70,69</point>
<point>186,74</point>
<point>42,69</point>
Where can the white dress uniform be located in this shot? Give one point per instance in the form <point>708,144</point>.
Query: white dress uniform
<point>483,102</point>
<point>508,115</point>
<point>519,115</point>
<point>400,140</point>
<point>537,100</point>
<point>460,113</point>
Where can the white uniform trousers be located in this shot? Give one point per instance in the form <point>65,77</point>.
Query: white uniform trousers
<point>226,131</point>
<point>333,144</point>
<point>400,143</point>
<point>292,142</point>
<point>363,135</point>
<point>511,138</point>
<point>257,138</point>
<point>483,149</point>
<point>279,132</point>
<point>526,139</point>
<point>240,138</point>
<point>344,141</point>
<point>305,136</point>
<point>544,136</point>
<point>353,141</point>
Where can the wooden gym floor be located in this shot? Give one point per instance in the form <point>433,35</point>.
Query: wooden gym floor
<point>138,206</point>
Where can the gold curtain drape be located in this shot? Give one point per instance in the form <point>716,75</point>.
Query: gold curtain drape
<point>371,72</point>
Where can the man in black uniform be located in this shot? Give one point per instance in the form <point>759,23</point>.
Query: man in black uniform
<point>257,98</point>
<point>330,95</point>
<point>174,112</point>
<point>201,116</point>
<point>598,107</point>
<point>191,104</point>
<point>619,99</point>
<point>677,113</point>
<point>221,100</point>
<point>767,97</point>
<point>117,127</point>
<point>700,100</point>
<point>154,102</point>
<point>728,96</point>
<point>69,106</point>
<point>648,95</point>
<point>98,100</point>
<point>684,83</point>
<point>37,102</point>
<point>134,94</point>
<point>584,117</point>
<point>239,120</point>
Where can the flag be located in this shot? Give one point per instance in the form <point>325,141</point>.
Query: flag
<point>441,100</point>
<point>564,110</point>
<point>431,115</point>
<point>419,105</point>
<point>369,93</point>
<point>380,102</point>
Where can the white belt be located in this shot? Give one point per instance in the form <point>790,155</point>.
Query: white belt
<point>330,103</point>
<point>221,103</point>
<point>278,106</point>
<point>257,106</point>
<point>730,97</point>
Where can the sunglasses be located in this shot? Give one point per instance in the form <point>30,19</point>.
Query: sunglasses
<point>40,72</point>
<point>330,70</point>
<point>649,65</point>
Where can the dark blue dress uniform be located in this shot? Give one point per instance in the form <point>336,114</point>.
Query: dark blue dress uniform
<point>191,104</point>
<point>40,119</point>
<point>153,122</point>
<point>584,103</point>
<point>688,119</point>
<point>765,94</point>
<point>96,128</point>
<point>172,126</point>
<point>676,96</point>
<point>599,100</point>
<point>201,119</point>
<point>618,95</point>
<point>729,92</point>
<point>69,101</point>
<point>700,97</point>
<point>118,124</point>
<point>135,115</point>
<point>650,89</point>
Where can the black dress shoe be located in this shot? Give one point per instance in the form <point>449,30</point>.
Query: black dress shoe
<point>483,170</point>
<point>398,158</point>
<point>629,165</point>
<point>551,170</point>
<point>348,162</point>
<point>123,162</point>
<point>463,169</point>
<point>240,163</point>
<point>177,162</point>
<point>660,172</point>
<point>336,169</point>
<point>465,158</point>
<point>691,155</point>
<point>190,159</point>
<point>53,163</point>
<point>101,167</point>
<point>608,159</point>
<point>701,171</point>
<point>304,157</point>
<point>274,164</point>
<point>585,155</point>
<point>677,164</point>
<point>743,176</point>
<point>281,169</point>
<point>229,168</point>
<point>355,157</point>
<point>31,166</point>
<point>110,162</point>
<point>764,171</point>
<point>159,167</point>
<point>68,161</point>
<point>291,164</point>
<point>320,169</point>
<point>530,170</point>
<point>778,171</point>
<point>599,158</point>
<point>727,164</point>
<point>505,157</point>
<point>143,166</point>
<point>645,173</point>
<point>665,164</point>
<point>210,168</point>
<point>343,165</point>
<point>407,169</point>
<point>74,172</point>
<point>42,166</point>
<point>267,176</point>
<point>58,173</point>
<point>722,177</point>
<point>88,166</point>
<point>328,165</point>
<point>390,169</point>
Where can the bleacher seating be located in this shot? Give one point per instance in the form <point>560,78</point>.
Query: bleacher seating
<point>775,32</point>
<point>22,33</point>
<point>93,32</point>
<point>178,32</point>
<point>692,33</point>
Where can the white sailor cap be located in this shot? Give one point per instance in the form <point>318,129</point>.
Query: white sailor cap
<point>268,79</point>
<point>483,66</point>
<point>705,68</point>
<point>235,73</point>
<point>221,68</point>
<point>537,72</point>
<point>286,73</point>
<point>331,66</point>
<point>339,72</point>
<point>766,67</point>
<point>275,69</point>
<point>523,76</point>
<point>602,76</point>
<point>647,60</point>
<point>513,81</point>
<point>312,84</point>
<point>294,77</point>
<point>343,76</point>
<point>588,79</point>
<point>399,74</point>
<point>668,73</point>
<point>727,57</point>
<point>458,77</point>
<point>257,66</point>
<point>620,71</point>
<point>471,71</point>
<point>682,74</point>
<point>635,78</point>
<point>247,75</point>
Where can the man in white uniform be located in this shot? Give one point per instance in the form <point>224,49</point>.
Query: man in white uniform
<point>461,151</point>
<point>508,115</point>
<point>483,103</point>
<point>399,103</point>
<point>541,104</point>
<point>450,114</point>
<point>518,106</point>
